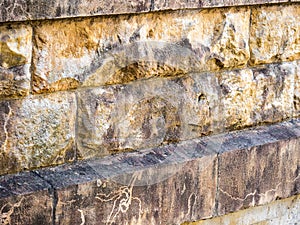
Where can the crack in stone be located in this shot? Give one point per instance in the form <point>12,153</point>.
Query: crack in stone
<point>237,198</point>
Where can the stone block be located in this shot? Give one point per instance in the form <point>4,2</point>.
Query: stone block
<point>275,34</point>
<point>113,50</point>
<point>15,60</point>
<point>146,114</point>
<point>24,199</point>
<point>157,186</point>
<point>255,173</point>
<point>37,131</point>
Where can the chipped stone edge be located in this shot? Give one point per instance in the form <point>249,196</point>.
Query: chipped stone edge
<point>65,176</point>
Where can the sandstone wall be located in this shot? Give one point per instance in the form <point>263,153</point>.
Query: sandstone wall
<point>125,79</point>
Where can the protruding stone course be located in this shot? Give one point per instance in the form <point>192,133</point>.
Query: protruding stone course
<point>195,4</point>
<point>15,60</point>
<point>37,132</point>
<point>139,188</point>
<point>24,199</point>
<point>275,34</point>
<point>19,10</point>
<point>98,51</point>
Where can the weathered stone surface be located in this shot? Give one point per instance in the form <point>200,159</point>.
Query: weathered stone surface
<point>195,4</point>
<point>279,212</point>
<point>297,91</point>
<point>154,112</point>
<point>112,50</point>
<point>158,186</point>
<point>15,59</point>
<point>178,182</point>
<point>259,174</point>
<point>259,95</point>
<point>18,10</point>
<point>275,34</point>
<point>146,114</point>
<point>36,131</point>
<point>24,199</point>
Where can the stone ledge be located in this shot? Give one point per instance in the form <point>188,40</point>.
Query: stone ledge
<point>20,10</point>
<point>188,181</point>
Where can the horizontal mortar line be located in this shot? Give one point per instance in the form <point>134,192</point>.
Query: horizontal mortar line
<point>153,158</point>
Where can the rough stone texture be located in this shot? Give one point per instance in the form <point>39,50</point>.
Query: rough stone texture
<point>260,95</point>
<point>18,10</point>
<point>275,34</point>
<point>178,182</point>
<point>158,186</point>
<point>15,59</point>
<point>261,174</point>
<point>36,131</point>
<point>154,112</point>
<point>297,91</point>
<point>190,4</point>
<point>24,199</point>
<point>111,50</point>
<point>279,212</point>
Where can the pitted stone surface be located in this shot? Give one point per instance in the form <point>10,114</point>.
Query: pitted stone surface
<point>36,132</point>
<point>275,34</point>
<point>111,50</point>
<point>15,60</point>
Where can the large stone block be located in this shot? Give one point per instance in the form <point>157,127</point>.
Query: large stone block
<point>112,50</point>
<point>36,131</point>
<point>257,173</point>
<point>15,60</point>
<point>24,199</point>
<point>158,186</point>
<point>275,34</point>
<point>146,113</point>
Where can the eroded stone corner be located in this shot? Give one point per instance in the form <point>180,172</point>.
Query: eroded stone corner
<point>15,59</point>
